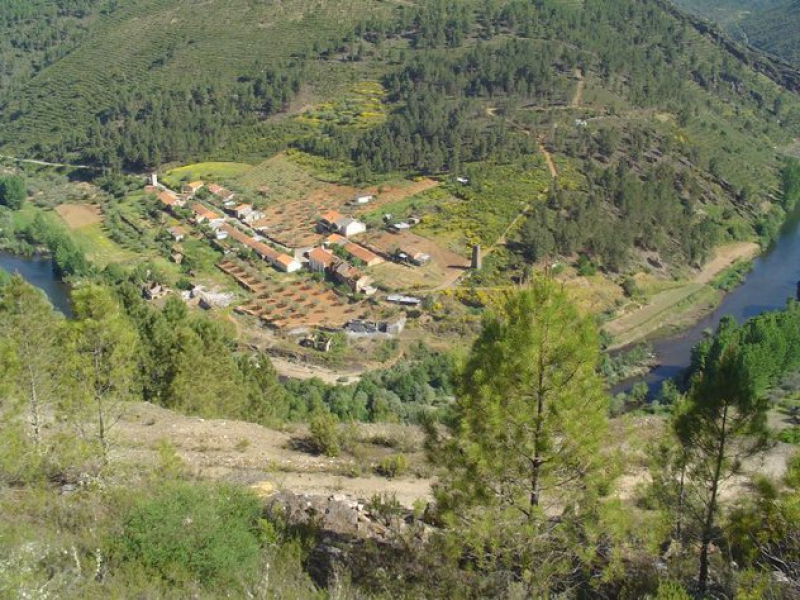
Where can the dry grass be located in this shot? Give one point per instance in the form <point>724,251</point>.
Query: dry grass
<point>443,270</point>
<point>79,215</point>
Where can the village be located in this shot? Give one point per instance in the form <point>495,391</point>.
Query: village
<point>309,270</point>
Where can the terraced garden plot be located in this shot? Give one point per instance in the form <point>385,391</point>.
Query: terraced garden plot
<point>279,180</point>
<point>298,303</point>
<point>211,172</point>
<point>293,224</point>
<point>79,215</point>
<point>393,193</point>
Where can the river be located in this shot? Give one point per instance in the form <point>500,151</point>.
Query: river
<point>772,280</point>
<point>767,286</point>
<point>39,272</point>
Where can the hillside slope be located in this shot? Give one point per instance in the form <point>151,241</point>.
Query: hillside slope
<point>146,48</point>
<point>769,25</point>
<point>663,135</point>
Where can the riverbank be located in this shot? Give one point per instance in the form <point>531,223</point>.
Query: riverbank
<point>673,310</point>
<point>38,271</point>
<point>766,287</point>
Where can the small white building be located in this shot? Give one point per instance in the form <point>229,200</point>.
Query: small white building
<point>365,199</point>
<point>286,263</point>
<point>349,227</point>
<point>320,259</point>
<point>243,211</point>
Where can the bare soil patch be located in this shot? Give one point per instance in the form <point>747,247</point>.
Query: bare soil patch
<point>395,193</point>
<point>725,257</point>
<point>79,215</point>
<point>679,306</point>
<point>302,303</point>
<point>444,268</point>
<point>254,455</point>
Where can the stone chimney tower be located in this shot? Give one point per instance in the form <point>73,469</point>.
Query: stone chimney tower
<point>477,259</point>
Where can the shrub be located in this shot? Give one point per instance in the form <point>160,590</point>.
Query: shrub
<point>183,533</point>
<point>790,436</point>
<point>12,191</point>
<point>325,438</point>
<point>392,466</point>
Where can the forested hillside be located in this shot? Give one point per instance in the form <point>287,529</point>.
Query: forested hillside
<point>770,25</point>
<point>459,83</point>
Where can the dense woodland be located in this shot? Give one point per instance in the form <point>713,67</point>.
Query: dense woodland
<point>769,25</point>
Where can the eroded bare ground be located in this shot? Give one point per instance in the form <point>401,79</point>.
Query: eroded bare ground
<point>253,455</point>
<point>271,460</point>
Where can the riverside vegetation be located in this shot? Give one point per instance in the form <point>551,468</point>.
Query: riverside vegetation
<point>525,503</point>
<point>611,137</point>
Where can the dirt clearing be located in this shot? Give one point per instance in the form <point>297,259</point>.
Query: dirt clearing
<point>249,454</point>
<point>444,268</point>
<point>680,306</point>
<point>79,215</point>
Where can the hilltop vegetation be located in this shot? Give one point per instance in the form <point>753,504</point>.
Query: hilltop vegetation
<point>372,90</point>
<point>526,466</point>
<point>770,25</point>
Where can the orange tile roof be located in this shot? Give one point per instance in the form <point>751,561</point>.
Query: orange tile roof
<point>167,198</point>
<point>285,260</point>
<point>336,239</point>
<point>202,211</point>
<point>331,216</point>
<point>239,236</point>
<point>219,191</point>
<point>322,256</point>
<point>265,251</point>
<point>361,253</point>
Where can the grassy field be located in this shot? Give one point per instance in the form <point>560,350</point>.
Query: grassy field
<point>480,212</point>
<point>216,172</point>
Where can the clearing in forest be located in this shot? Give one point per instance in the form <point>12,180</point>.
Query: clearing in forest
<point>79,215</point>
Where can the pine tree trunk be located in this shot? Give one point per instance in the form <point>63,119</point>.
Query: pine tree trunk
<point>35,409</point>
<point>708,523</point>
<point>536,465</point>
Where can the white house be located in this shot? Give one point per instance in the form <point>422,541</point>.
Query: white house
<point>319,260</point>
<point>365,199</point>
<point>243,211</point>
<point>349,227</point>
<point>287,264</point>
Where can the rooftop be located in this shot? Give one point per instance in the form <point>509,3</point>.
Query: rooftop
<point>360,253</point>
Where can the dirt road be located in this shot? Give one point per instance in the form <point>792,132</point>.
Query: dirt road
<point>548,158</point>
<point>578,97</point>
<point>680,304</point>
<point>45,163</point>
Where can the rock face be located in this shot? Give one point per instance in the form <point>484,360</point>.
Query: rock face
<point>348,533</point>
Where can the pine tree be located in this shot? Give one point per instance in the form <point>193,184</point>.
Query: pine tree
<point>723,423</point>
<point>30,326</point>
<point>103,350</point>
<point>530,412</point>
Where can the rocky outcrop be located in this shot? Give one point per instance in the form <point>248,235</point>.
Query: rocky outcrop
<point>349,534</point>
